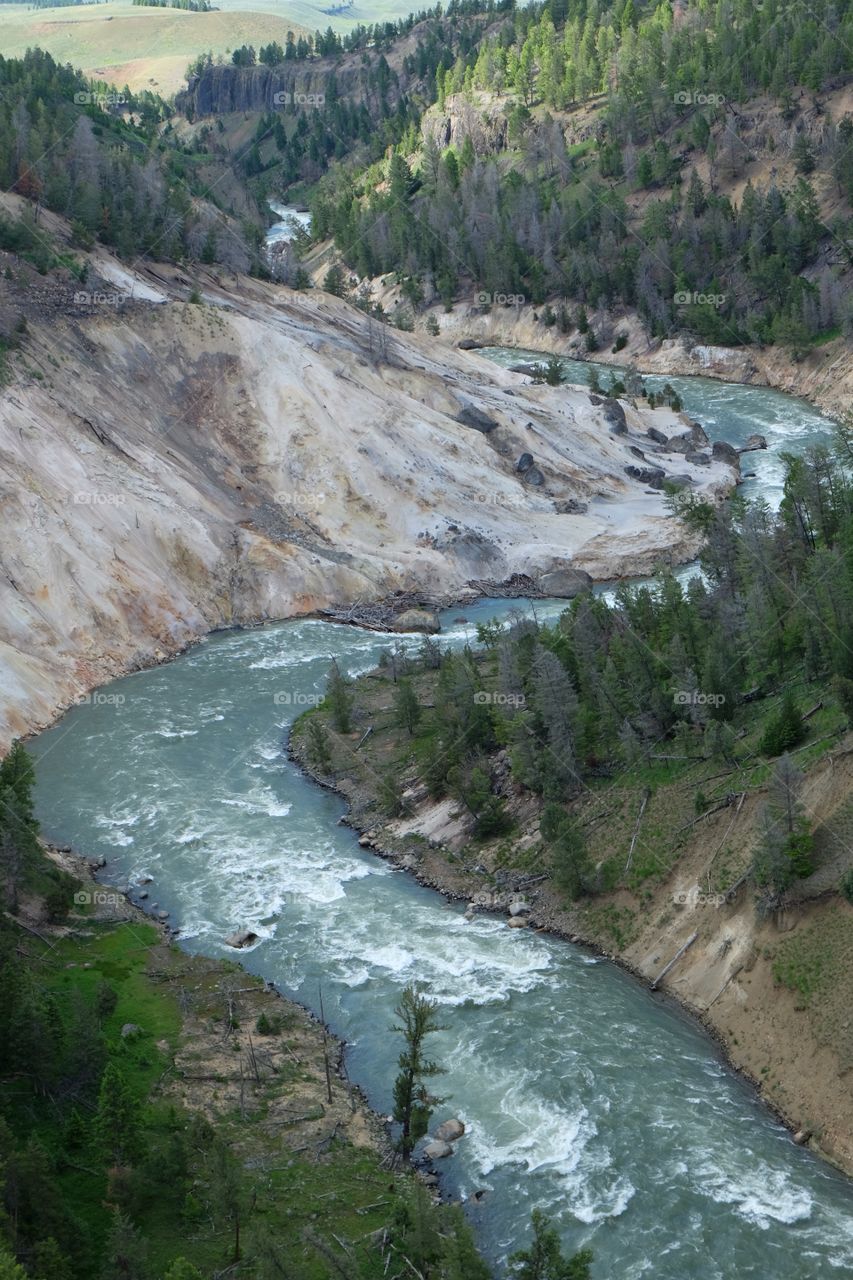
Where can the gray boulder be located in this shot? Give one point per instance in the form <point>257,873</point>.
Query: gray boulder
<point>698,459</point>
<point>615,415</point>
<point>417,620</point>
<point>698,434</point>
<point>564,583</point>
<point>571,507</point>
<point>437,1150</point>
<point>450,1130</point>
<point>470,416</point>
<point>722,451</point>
<point>754,443</point>
<point>652,476</point>
<point>241,938</point>
<point>469,344</point>
<point>534,476</point>
<point>657,436</point>
<point>524,463</point>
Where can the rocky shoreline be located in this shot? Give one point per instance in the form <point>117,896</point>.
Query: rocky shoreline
<point>433,872</point>
<point>824,377</point>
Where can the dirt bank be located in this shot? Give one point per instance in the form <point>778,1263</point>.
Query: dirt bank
<point>751,982</point>
<point>824,376</point>
<point>170,467</point>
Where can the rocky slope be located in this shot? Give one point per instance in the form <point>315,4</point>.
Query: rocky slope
<point>169,468</point>
<point>824,375</point>
<point>775,991</point>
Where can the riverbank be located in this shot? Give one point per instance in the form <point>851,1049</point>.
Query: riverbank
<point>823,376</point>
<point>243,1143</point>
<point>268,454</point>
<point>792,1044</point>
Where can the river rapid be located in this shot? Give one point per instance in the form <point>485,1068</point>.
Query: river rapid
<point>582,1093</point>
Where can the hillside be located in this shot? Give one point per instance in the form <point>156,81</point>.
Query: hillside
<point>601,177</point>
<point>264,453</point>
<point>136,46</point>
<point>665,778</point>
<point>168,1116</point>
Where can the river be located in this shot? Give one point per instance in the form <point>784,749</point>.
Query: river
<point>582,1092</point>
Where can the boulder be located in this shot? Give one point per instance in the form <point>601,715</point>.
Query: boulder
<point>129,1030</point>
<point>724,452</point>
<point>652,476</point>
<point>241,938</point>
<point>469,344</point>
<point>534,476</point>
<point>802,1136</point>
<point>517,922</point>
<point>564,583</point>
<point>417,620</point>
<point>698,434</point>
<point>571,507</point>
<point>518,907</point>
<point>753,443</point>
<point>524,463</point>
<point>638,453</point>
<point>450,1130</point>
<point>681,481</point>
<point>615,415</point>
<point>698,459</point>
<point>162,915</point>
<point>657,436</point>
<point>521,368</point>
<point>470,416</point>
<point>437,1150</point>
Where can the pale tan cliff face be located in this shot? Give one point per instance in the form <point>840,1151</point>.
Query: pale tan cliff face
<point>179,467</point>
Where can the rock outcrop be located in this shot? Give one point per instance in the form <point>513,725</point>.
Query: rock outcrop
<point>176,468</point>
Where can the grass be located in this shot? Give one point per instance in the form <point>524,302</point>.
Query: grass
<point>817,963</point>
<point>296,1190</point>
<point>149,48</point>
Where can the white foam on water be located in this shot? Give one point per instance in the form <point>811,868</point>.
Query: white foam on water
<point>760,1194</point>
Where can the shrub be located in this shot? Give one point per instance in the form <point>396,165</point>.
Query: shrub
<point>784,730</point>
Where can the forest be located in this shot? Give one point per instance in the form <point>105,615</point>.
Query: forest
<point>727,668</point>
<point>623,218</point>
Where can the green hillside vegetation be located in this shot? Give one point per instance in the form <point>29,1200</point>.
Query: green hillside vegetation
<point>107,1174</point>
<point>105,162</point>
<point>742,680</point>
<point>623,218</point>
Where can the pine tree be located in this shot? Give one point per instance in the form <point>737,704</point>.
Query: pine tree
<point>544,1260</point>
<point>117,1123</point>
<point>418,1018</point>
<point>339,699</point>
<point>407,708</point>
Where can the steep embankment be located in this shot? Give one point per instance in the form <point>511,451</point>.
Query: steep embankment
<point>169,468</point>
<point>823,375</point>
<point>775,991</point>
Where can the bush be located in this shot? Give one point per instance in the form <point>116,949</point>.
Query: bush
<point>784,730</point>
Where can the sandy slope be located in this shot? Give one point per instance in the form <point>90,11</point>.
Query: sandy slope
<point>166,468</point>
